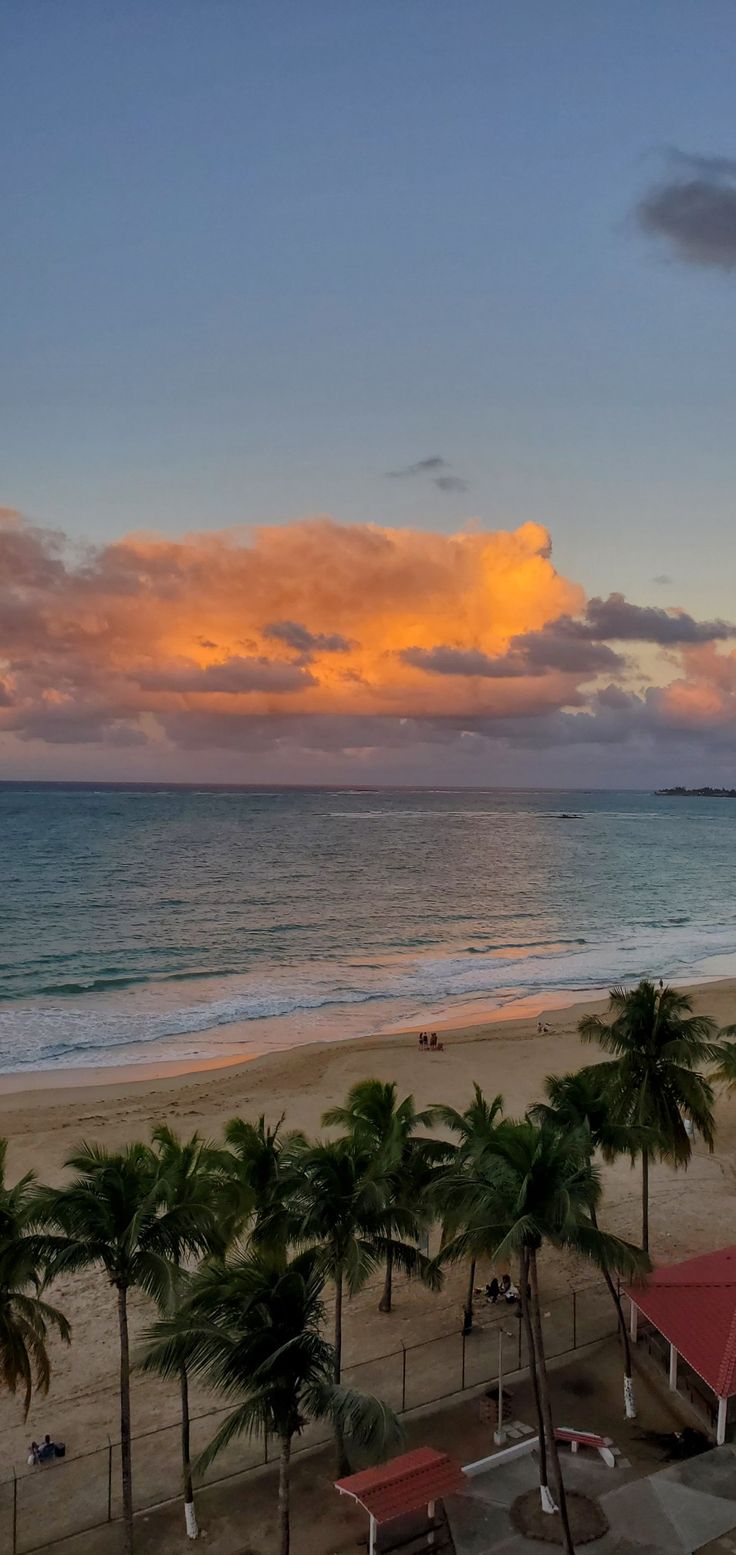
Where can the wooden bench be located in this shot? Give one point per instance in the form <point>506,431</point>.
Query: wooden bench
<point>600,1444</point>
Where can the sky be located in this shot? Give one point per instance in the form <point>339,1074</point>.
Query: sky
<point>367,400</point>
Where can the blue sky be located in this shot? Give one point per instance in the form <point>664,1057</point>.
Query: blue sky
<point>256,255</point>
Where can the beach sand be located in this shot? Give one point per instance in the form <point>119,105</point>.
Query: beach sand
<point>691,1211</point>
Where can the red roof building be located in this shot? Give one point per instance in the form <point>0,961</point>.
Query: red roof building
<point>693,1305</point>
<point>405,1484</point>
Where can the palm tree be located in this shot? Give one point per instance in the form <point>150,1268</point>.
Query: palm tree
<point>475,1130</point>
<point>652,1081</point>
<point>538,1186</point>
<point>376,1121</point>
<point>577,1102</point>
<point>25,1318</point>
<point>258,1176</point>
<point>191,1177</point>
<point>252,1327</point>
<point>116,1215</point>
<point>340,1206</point>
<point>725,1056</point>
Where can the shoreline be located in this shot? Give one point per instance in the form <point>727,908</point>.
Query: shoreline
<point>496,1023</point>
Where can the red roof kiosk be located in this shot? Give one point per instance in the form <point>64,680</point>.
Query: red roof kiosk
<point>693,1306</point>
<point>406,1484</point>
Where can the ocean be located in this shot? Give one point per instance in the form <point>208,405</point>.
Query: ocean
<point>147,924</point>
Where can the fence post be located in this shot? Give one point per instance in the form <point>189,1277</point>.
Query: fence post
<point>463,1336</point>
<point>574,1319</point>
<point>403,1377</point>
<point>15,1512</point>
<point>109,1480</point>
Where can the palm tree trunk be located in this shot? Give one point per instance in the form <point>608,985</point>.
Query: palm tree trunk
<point>645,1200</point>
<point>190,1515</point>
<point>125,1452</point>
<point>284,1462</point>
<point>548,1500</point>
<point>468,1308</point>
<point>629,1399</point>
<point>546,1404</point>
<point>384,1304</point>
<point>342,1461</point>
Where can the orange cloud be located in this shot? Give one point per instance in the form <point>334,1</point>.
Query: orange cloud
<point>220,638</point>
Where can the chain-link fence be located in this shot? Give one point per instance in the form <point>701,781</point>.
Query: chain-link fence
<point>39,1506</point>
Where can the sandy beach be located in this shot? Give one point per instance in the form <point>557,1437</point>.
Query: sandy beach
<point>691,1211</point>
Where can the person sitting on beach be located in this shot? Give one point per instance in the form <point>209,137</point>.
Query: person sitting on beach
<point>34,1453</point>
<point>493,1291</point>
<point>508,1291</point>
<point>47,1451</point>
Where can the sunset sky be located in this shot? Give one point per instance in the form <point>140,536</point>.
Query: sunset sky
<point>368,391</point>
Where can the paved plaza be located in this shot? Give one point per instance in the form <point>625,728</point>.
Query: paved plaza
<point>683,1508</point>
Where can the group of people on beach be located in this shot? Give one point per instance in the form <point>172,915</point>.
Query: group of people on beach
<point>428,1039</point>
<point>501,1290</point>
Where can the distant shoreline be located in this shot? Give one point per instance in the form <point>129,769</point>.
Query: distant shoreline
<point>695,793</point>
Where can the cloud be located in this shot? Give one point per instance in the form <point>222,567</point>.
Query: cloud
<point>662,578</point>
<point>428,466</point>
<point>435,467</point>
<point>618,620</point>
<point>281,643</point>
<point>233,676</point>
<point>296,636</point>
<point>694,209</point>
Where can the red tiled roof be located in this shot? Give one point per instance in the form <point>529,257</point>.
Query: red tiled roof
<point>404,1484</point>
<point>694,1305</point>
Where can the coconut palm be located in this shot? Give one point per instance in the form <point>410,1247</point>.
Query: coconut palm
<point>375,1120</point>
<point>652,1082</point>
<point>340,1207</point>
<point>536,1187</point>
<point>725,1055</point>
<point>577,1102</point>
<point>474,1130</point>
<point>191,1175</point>
<point>258,1176</point>
<point>25,1318</point>
<point>116,1215</point>
<point>252,1328</point>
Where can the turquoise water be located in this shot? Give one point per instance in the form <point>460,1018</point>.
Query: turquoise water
<point>144,924</point>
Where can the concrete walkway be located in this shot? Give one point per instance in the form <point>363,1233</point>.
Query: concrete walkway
<point>676,1511</point>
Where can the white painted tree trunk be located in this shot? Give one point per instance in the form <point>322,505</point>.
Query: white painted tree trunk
<point>548,1501</point>
<point>190,1518</point>
<point>629,1400</point>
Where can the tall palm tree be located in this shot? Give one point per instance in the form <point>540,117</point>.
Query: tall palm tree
<point>253,1328</point>
<point>25,1318</point>
<point>340,1207</point>
<point>652,1081</point>
<point>577,1102</point>
<point>258,1175</point>
<point>191,1175</point>
<point>115,1214</point>
<point>474,1130</point>
<point>538,1187</point>
<point>375,1120</point>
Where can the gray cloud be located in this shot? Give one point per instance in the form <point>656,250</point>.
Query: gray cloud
<point>234,676</point>
<point>434,467</point>
<point>616,619</point>
<point>451,483</point>
<point>296,636</point>
<point>662,578</point>
<point>428,466</point>
<point>462,661</point>
<point>694,209</point>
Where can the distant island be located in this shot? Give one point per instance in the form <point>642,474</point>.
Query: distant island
<point>696,793</point>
